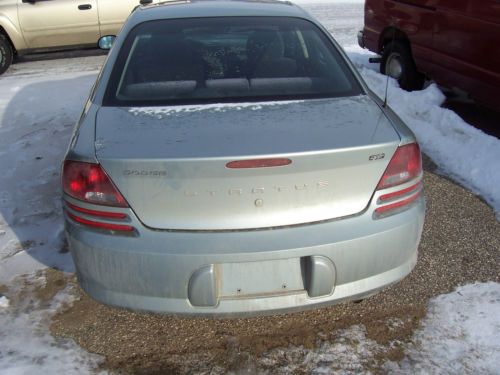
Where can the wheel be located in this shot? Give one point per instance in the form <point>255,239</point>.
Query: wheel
<point>398,63</point>
<point>6,54</point>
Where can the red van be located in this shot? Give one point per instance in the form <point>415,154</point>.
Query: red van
<point>454,42</point>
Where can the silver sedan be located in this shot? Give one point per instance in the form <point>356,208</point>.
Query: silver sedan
<point>230,161</point>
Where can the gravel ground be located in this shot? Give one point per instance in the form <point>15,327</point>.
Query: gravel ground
<point>460,244</point>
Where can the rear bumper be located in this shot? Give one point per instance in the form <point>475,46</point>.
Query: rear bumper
<point>192,272</point>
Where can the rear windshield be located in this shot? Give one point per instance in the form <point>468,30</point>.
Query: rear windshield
<point>227,59</point>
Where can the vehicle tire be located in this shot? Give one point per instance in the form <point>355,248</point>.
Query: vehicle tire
<point>6,53</point>
<point>398,63</point>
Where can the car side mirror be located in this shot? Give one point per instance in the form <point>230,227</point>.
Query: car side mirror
<point>106,42</point>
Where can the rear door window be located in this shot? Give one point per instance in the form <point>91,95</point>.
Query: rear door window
<point>227,59</point>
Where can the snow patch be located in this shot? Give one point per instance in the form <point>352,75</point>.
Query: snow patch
<point>459,335</point>
<point>26,346</point>
<point>36,123</point>
<point>161,112</point>
<point>4,302</point>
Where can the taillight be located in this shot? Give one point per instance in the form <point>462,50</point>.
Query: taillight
<point>405,166</point>
<point>88,182</point>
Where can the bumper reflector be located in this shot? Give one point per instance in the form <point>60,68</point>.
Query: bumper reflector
<point>109,215</point>
<point>391,208</point>
<point>101,225</point>
<point>400,193</point>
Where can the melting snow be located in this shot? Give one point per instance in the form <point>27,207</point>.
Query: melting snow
<point>4,302</point>
<point>161,112</point>
<point>350,353</point>
<point>26,346</point>
<point>459,335</point>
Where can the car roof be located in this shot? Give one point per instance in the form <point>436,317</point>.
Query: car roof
<point>217,8</point>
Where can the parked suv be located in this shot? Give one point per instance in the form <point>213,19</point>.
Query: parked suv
<point>454,42</point>
<point>28,26</point>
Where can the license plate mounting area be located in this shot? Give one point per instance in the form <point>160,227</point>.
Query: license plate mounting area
<point>259,279</point>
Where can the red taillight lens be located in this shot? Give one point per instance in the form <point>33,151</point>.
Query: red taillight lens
<point>258,163</point>
<point>88,182</point>
<point>405,165</point>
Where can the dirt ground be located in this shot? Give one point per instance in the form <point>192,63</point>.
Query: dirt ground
<point>460,244</point>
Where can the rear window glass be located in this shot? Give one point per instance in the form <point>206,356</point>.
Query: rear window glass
<point>227,59</point>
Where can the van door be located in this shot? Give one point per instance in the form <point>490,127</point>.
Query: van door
<point>58,23</point>
<point>486,14</point>
<point>466,39</point>
<point>113,13</point>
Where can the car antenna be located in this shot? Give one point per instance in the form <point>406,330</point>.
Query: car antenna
<point>386,72</point>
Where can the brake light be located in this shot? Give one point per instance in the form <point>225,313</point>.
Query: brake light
<point>90,183</point>
<point>405,165</point>
<point>258,163</point>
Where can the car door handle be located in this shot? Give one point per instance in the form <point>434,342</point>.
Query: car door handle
<point>85,7</point>
<point>145,2</point>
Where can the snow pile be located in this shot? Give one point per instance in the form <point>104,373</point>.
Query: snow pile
<point>459,335</point>
<point>461,151</point>
<point>26,346</point>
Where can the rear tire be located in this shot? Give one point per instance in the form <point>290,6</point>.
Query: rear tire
<point>6,53</point>
<point>398,63</point>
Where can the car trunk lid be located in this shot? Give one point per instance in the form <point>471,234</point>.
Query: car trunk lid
<point>171,163</point>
